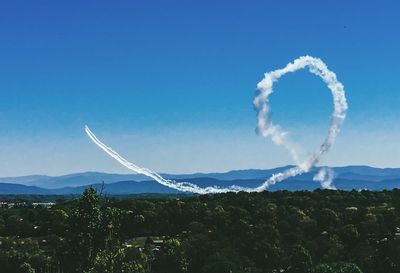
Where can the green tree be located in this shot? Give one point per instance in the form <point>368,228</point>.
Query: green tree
<point>171,257</point>
<point>26,268</point>
<point>222,261</point>
<point>300,260</point>
<point>85,234</point>
<point>322,268</point>
<point>346,268</point>
<point>2,226</point>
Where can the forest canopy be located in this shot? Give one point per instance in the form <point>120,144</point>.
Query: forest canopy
<point>316,232</point>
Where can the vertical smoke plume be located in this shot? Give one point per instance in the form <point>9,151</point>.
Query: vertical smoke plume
<point>265,128</point>
<point>325,176</point>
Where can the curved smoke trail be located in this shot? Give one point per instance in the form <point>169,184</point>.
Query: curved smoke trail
<point>265,128</point>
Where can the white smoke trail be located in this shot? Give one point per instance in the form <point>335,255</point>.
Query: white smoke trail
<point>265,128</point>
<point>181,186</point>
<point>325,177</point>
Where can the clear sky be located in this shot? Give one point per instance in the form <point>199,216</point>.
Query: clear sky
<point>169,84</point>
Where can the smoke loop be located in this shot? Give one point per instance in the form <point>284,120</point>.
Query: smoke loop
<point>265,128</point>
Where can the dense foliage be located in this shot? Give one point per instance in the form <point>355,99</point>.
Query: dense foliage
<point>316,232</point>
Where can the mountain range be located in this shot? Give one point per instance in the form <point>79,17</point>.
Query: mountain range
<point>346,178</point>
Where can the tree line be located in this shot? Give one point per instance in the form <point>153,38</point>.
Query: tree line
<point>295,232</point>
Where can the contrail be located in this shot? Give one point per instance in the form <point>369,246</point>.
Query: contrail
<point>265,128</point>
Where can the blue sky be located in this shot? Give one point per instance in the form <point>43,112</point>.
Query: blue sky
<point>169,84</point>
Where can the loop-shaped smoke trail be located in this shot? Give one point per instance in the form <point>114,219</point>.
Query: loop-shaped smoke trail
<point>265,128</point>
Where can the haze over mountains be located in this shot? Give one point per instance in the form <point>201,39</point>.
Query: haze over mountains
<point>347,178</point>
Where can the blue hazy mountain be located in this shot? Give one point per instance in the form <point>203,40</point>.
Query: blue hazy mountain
<point>140,187</point>
<point>347,178</point>
<point>71,180</point>
<point>10,188</point>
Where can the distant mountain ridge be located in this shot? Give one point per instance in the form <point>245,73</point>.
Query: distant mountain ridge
<point>71,180</point>
<point>142,187</point>
<point>349,177</point>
